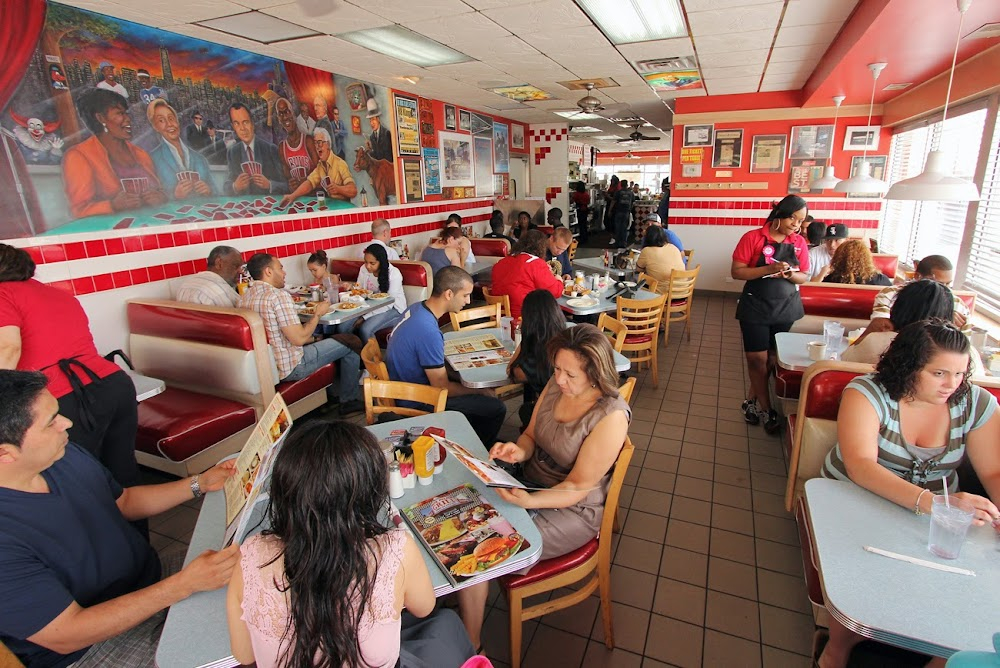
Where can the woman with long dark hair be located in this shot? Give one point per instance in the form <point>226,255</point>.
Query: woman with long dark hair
<point>542,319</point>
<point>377,275</point>
<point>326,583</point>
<point>773,260</point>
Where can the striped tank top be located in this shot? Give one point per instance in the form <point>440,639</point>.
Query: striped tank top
<point>967,414</point>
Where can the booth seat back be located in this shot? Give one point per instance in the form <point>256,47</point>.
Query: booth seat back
<point>887,264</point>
<point>490,250</point>
<point>218,351</point>
<point>418,279</point>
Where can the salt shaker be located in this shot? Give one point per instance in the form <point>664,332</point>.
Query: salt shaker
<point>395,481</point>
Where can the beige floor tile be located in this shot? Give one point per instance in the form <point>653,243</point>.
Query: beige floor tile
<point>696,468</point>
<point>666,446</point>
<point>732,546</point>
<point>705,399</point>
<point>732,476</point>
<point>651,501</point>
<point>731,577</point>
<point>765,464</point>
<point>701,436</point>
<point>779,557</point>
<point>671,417</point>
<point>733,428</point>
<point>770,504</point>
<point>693,537</point>
<point>732,519</point>
<point>731,495</point>
<point>699,451</point>
<point>630,626</point>
<point>674,642</point>
<point>680,600</point>
<point>779,658</point>
<point>632,587</point>
<point>577,619</point>
<point>787,630</point>
<point>777,529</point>
<point>783,591</point>
<point>641,427</point>
<point>722,649</point>
<point>684,565</point>
<point>734,458</point>
<point>691,510</point>
<point>550,647</point>
<point>733,615</point>
<point>641,555</point>
<point>647,526</point>
<point>599,656</point>
<point>766,482</point>
<point>694,488</point>
<point>732,442</point>
<point>701,410</point>
<point>661,462</point>
<point>701,422</point>
<point>660,481</point>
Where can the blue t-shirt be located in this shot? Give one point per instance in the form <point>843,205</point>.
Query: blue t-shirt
<point>72,544</point>
<point>567,267</point>
<point>415,344</point>
<point>672,238</point>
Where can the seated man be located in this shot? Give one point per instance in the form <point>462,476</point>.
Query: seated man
<point>497,227</point>
<point>331,174</point>
<point>76,574</point>
<point>672,238</point>
<point>558,249</point>
<point>935,267</point>
<point>416,353</point>
<point>294,354</point>
<point>217,285</point>
<point>821,255</point>
<point>381,235</point>
<point>554,217</point>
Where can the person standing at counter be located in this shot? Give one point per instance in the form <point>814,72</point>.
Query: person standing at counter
<point>773,260</point>
<point>624,199</point>
<point>663,209</point>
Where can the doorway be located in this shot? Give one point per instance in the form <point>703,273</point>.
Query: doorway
<point>519,186</point>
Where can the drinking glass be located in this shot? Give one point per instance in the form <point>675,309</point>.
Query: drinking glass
<point>949,524</point>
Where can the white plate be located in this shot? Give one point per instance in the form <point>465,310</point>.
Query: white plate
<point>581,302</point>
<point>629,284</point>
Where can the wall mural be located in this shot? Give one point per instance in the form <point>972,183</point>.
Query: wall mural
<point>117,125</point>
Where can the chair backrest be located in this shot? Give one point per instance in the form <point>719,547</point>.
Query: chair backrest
<point>887,264</point>
<point>572,248</point>
<point>614,492</point>
<point>503,300</point>
<point>491,312</point>
<point>418,279</point>
<point>641,316</point>
<point>371,355</point>
<point>484,248</point>
<point>626,389</point>
<point>547,230</point>
<point>681,287</point>
<point>387,392</point>
<point>619,331</point>
<point>688,254</point>
<point>8,660</point>
<point>652,284</point>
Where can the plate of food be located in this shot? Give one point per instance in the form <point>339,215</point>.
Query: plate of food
<point>359,292</point>
<point>379,295</point>
<point>308,310</point>
<point>629,284</point>
<point>347,306</point>
<point>440,533</point>
<point>577,292</point>
<point>582,302</point>
<point>487,554</point>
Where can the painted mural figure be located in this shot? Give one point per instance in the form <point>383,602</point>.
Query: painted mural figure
<point>107,172</point>
<point>297,150</point>
<point>254,163</point>
<point>109,82</point>
<point>380,172</point>
<point>196,135</point>
<point>147,91</point>
<point>331,174</point>
<point>304,120</point>
<point>183,172</point>
<point>339,133</point>
<point>322,115</point>
<point>379,142</point>
<point>37,140</point>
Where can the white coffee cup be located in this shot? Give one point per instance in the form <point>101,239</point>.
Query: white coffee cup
<point>344,296</point>
<point>817,350</point>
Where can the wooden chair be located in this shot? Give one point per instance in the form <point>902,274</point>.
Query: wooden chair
<point>642,319</point>
<point>572,248</point>
<point>626,389</point>
<point>491,313</point>
<point>680,295</point>
<point>618,330</point>
<point>7,658</point>
<point>593,560</point>
<point>688,254</point>
<point>652,284</point>
<point>371,356</point>
<point>386,392</point>
<point>503,300</point>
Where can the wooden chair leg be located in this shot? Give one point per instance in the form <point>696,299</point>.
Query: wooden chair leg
<point>652,364</point>
<point>604,581</point>
<point>687,326</point>
<point>514,602</point>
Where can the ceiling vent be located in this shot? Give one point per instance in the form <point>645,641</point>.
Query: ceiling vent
<point>985,31</point>
<point>898,86</point>
<point>667,64</point>
<point>627,120</point>
<point>581,84</point>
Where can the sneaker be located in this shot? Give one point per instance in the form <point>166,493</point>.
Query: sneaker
<point>772,425</point>
<point>751,413</point>
<point>356,406</point>
<point>612,242</point>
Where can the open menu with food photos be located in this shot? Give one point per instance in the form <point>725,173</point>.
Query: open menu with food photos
<point>472,344</point>
<point>488,472</point>
<point>471,540</point>
<point>253,466</point>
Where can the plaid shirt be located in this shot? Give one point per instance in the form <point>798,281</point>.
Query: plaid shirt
<point>208,288</point>
<point>276,310</point>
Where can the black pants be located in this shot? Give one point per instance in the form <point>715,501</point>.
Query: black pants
<point>116,420</point>
<point>486,414</point>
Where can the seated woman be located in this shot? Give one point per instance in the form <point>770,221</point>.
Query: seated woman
<point>903,431</point>
<point>852,264</point>
<point>319,267</point>
<point>378,275</point>
<point>524,271</point>
<point>571,443</point>
<point>542,320</point>
<point>443,250</point>
<point>523,225</point>
<point>334,590</point>
<point>464,245</point>
<point>659,257</point>
<point>174,160</point>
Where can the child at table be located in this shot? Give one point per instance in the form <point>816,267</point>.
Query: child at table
<point>378,276</point>
<point>328,580</point>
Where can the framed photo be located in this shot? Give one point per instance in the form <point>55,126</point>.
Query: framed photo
<point>501,148</point>
<point>876,170</point>
<point>407,126</point>
<point>698,135</point>
<point>465,120</point>
<point>862,137</point>
<point>412,184</point>
<point>516,135</point>
<point>802,172</point>
<point>768,154</point>
<point>484,168</point>
<point>728,149</point>
<point>432,172</point>
<point>456,160</point>
<point>449,117</point>
<point>811,142</point>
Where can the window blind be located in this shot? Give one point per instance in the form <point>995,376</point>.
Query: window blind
<point>983,268</point>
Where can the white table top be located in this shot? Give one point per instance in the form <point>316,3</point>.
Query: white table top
<point>335,316</point>
<point>603,304</point>
<point>793,350</point>
<point>895,602</point>
<point>596,265</point>
<point>145,386</point>
<point>480,269</point>
<point>196,632</point>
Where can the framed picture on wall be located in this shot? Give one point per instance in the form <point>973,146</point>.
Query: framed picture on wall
<point>407,126</point>
<point>432,172</point>
<point>412,184</point>
<point>811,141</point>
<point>465,120</point>
<point>862,137</point>
<point>449,117</point>
<point>728,149</point>
<point>516,135</point>
<point>802,172</point>
<point>768,154</point>
<point>698,135</point>
<point>501,148</point>
<point>456,160</point>
<point>876,170</point>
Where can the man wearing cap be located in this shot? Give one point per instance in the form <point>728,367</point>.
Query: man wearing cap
<point>820,256</point>
<point>672,238</point>
<point>379,142</point>
<point>108,81</point>
<point>147,91</point>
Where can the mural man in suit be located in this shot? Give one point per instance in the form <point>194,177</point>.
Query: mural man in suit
<point>196,134</point>
<point>246,154</point>
<point>379,142</point>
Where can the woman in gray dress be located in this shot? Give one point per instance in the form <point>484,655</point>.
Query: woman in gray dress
<point>570,446</point>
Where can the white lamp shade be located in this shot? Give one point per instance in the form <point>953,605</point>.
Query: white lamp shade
<point>934,184</point>
<point>825,182</point>
<point>862,182</point>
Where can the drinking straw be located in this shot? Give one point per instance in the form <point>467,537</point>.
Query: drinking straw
<point>944,486</point>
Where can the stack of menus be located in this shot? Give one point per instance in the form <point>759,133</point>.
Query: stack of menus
<point>474,352</point>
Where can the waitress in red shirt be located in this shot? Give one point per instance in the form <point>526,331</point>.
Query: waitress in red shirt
<point>45,329</point>
<point>773,260</point>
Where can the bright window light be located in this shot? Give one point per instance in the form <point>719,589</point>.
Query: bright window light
<point>406,45</point>
<point>628,21</point>
<point>583,129</point>
<point>577,115</point>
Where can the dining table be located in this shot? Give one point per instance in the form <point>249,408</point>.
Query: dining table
<point>336,315</point>
<point>792,350</point>
<point>196,633</point>
<point>909,605</point>
<point>602,303</point>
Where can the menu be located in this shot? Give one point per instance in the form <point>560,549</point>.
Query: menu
<point>488,472</point>
<point>472,344</point>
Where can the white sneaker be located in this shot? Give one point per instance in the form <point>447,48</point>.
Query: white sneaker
<point>612,242</point>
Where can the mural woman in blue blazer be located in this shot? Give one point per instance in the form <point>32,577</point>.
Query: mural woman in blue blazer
<point>172,157</point>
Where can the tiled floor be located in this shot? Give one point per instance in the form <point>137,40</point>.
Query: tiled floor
<point>707,568</point>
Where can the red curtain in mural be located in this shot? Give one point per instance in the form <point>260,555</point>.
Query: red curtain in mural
<point>23,21</point>
<point>308,82</point>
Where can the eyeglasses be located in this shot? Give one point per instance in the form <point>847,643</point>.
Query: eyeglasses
<point>321,141</point>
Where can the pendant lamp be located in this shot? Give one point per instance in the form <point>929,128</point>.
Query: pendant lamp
<point>862,182</point>
<point>935,183</point>
<point>829,179</point>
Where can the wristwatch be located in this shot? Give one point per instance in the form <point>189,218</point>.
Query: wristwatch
<point>196,487</point>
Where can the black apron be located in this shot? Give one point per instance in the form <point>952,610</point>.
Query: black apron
<point>771,301</point>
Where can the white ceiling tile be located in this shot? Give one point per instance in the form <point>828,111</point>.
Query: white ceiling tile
<point>811,12</point>
<point>344,18</point>
<point>459,30</point>
<point>187,10</point>
<point>736,20</point>
<point>803,68</point>
<point>540,16</point>
<point>504,50</point>
<point>707,5</point>
<point>730,82</point>
<point>401,11</point>
<point>471,72</point>
<point>822,33</point>
<point>781,54</point>
<point>262,4</point>
<point>740,41</point>
<point>495,4</point>
<point>217,37</point>
<point>632,93</point>
<point>693,92</point>
<point>662,48</point>
<point>771,87</point>
<point>567,42</point>
<point>733,58</point>
<point>752,71</point>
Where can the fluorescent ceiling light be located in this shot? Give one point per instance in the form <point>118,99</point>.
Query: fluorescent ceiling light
<point>628,21</point>
<point>579,115</point>
<point>258,27</point>
<point>406,45</point>
<point>607,137</point>
<point>583,128</point>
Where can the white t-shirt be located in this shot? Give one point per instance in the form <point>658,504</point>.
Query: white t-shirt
<point>389,250</point>
<point>819,259</point>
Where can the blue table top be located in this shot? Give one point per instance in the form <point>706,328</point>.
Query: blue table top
<point>603,305</point>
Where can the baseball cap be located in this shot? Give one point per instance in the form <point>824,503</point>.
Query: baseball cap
<point>836,231</point>
<point>652,217</point>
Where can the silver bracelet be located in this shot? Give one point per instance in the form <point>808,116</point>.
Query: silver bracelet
<point>916,505</point>
<point>196,487</point>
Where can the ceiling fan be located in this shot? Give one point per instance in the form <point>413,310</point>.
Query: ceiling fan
<point>637,136</point>
<point>589,104</point>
